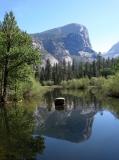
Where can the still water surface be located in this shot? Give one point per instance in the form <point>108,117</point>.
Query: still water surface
<point>87,129</point>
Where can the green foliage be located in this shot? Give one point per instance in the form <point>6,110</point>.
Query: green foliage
<point>97,76</point>
<point>97,82</point>
<point>82,83</point>
<point>17,57</point>
<point>107,71</point>
<point>109,86</point>
<point>112,86</point>
<point>66,71</point>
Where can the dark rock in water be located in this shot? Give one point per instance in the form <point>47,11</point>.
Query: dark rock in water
<point>59,102</point>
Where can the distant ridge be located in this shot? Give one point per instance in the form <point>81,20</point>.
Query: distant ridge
<point>113,52</point>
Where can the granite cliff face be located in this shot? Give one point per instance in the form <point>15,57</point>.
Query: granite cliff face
<point>65,43</point>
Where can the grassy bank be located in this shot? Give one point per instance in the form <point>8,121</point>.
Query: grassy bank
<point>107,86</point>
<point>28,90</point>
<point>82,83</point>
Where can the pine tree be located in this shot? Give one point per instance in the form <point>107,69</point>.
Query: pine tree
<point>16,54</point>
<point>48,71</point>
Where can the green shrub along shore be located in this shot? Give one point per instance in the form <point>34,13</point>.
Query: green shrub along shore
<point>109,86</point>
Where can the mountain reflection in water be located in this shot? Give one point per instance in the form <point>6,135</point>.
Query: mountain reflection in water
<point>73,124</point>
<point>85,129</point>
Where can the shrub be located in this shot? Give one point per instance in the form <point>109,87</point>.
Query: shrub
<point>82,83</point>
<point>112,86</point>
<point>98,82</point>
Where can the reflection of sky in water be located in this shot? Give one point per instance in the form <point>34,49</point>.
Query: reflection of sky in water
<point>102,144</point>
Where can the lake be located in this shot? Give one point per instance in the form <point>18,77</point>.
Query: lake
<point>87,128</point>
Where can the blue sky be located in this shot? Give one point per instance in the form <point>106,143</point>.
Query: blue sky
<point>101,17</point>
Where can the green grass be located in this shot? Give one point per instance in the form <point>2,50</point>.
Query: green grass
<point>108,87</point>
<point>112,86</point>
<point>82,83</point>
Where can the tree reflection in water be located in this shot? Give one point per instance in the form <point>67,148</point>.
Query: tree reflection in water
<point>16,129</point>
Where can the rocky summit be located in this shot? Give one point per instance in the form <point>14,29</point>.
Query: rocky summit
<point>65,43</point>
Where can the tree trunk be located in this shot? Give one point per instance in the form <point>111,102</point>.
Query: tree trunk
<point>1,87</point>
<point>5,81</point>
